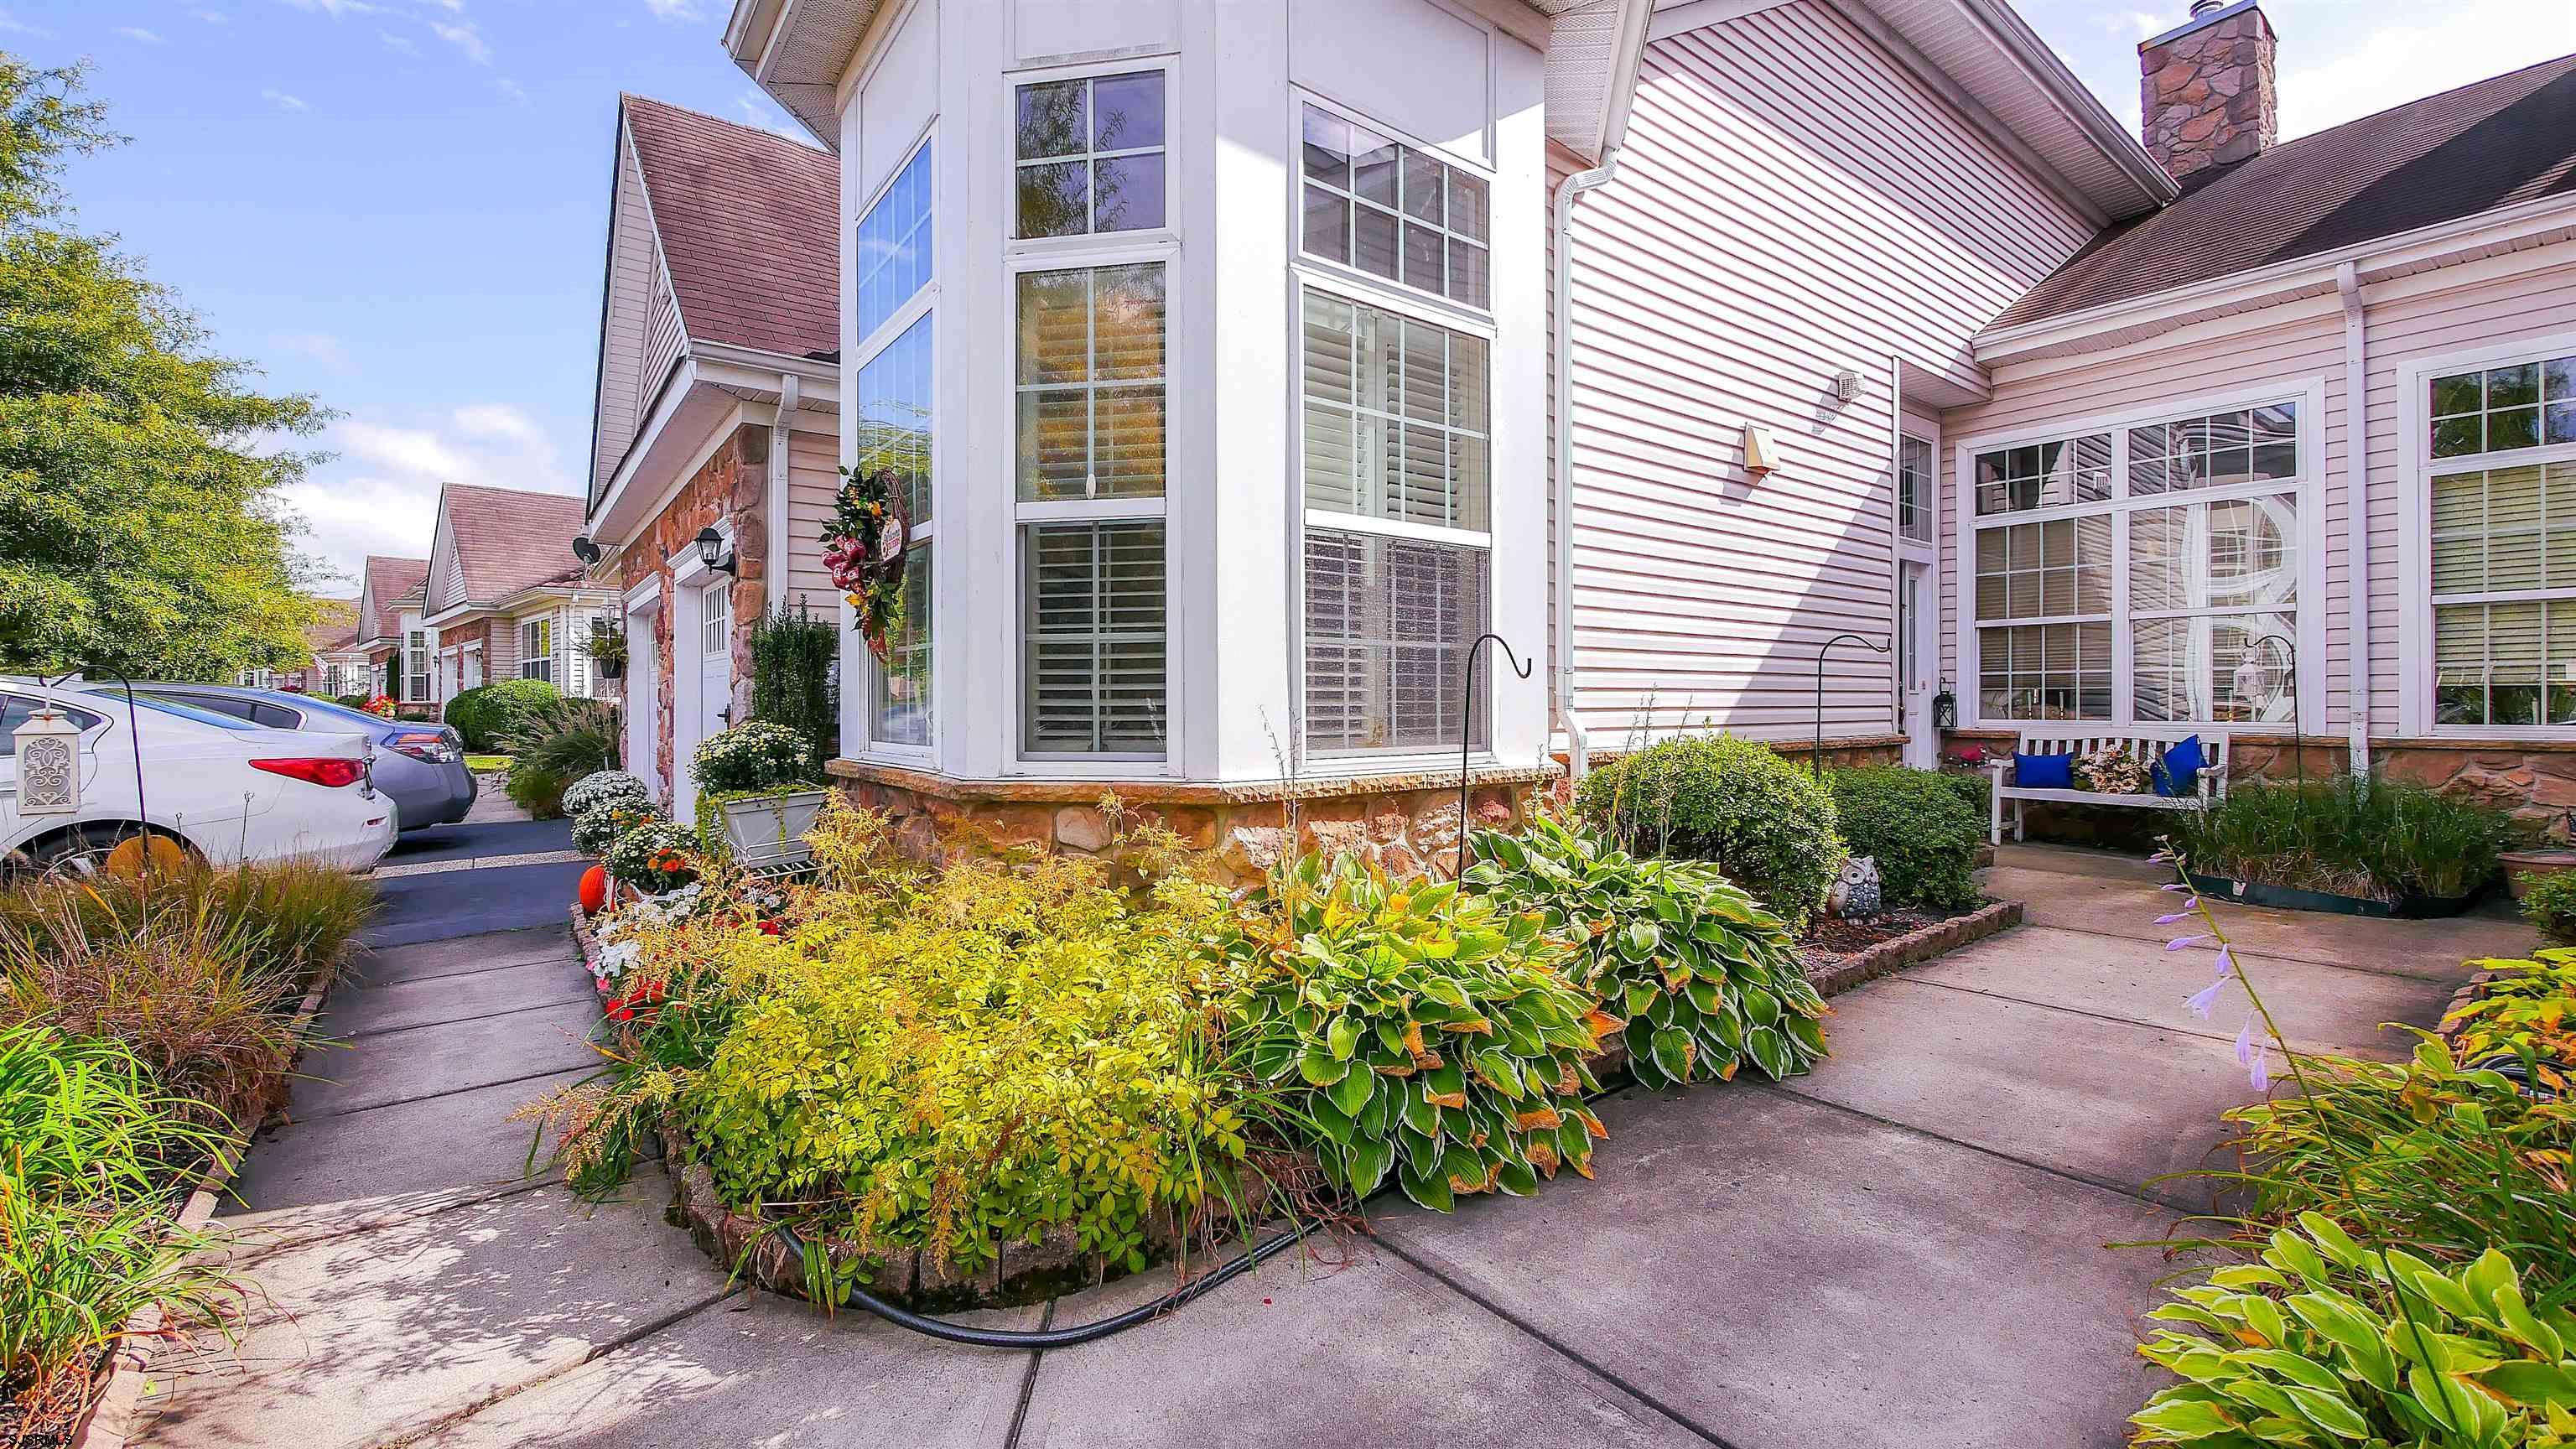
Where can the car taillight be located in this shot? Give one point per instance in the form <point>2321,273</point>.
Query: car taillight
<point>327,771</point>
<point>436,747</point>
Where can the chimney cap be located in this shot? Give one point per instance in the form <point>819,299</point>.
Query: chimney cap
<point>2204,13</point>
<point>2203,7</point>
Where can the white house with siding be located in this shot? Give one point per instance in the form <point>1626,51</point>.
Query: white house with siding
<point>1256,358</point>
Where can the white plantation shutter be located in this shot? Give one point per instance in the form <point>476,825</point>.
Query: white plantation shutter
<point>2504,595</point>
<point>1094,660</point>
<point>1388,625</point>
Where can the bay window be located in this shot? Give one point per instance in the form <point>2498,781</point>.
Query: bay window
<point>1396,480</point>
<point>891,393</point>
<point>1393,210</point>
<point>1090,485</point>
<point>1090,155</point>
<point>2502,535</point>
<point>2135,574</point>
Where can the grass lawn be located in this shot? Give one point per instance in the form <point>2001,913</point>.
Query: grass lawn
<point>487,764</point>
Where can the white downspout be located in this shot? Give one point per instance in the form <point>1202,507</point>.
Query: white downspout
<point>781,436</point>
<point>2356,514</point>
<point>1577,746</point>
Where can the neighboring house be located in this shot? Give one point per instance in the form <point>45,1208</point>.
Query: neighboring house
<point>504,598</point>
<point>717,399</point>
<point>1227,378</point>
<point>335,665</point>
<point>389,631</point>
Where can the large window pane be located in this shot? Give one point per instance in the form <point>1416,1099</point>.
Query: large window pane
<point>2215,668</point>
<point>1395,416</point>
<point>2045,672</point>
<point>2499,409</point>
<point>900,691</point>
<point>1394,211</point>
<point>892,413</point>
<point>1388,626</point>
<point>891,261</point>
<point>1093,639</point>
<point>2045,570</point>
<point>1091,389</point>
<point>2044,475</point>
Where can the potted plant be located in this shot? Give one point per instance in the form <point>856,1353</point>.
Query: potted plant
<point>760,782</point>
<point>607,648</point>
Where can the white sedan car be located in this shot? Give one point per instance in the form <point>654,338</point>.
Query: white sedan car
<point>229,790</point>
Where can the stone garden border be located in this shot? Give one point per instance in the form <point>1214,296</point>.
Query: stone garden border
<point>1918,946</point>
<point>110,1421</point>
<point>1026,1272</point>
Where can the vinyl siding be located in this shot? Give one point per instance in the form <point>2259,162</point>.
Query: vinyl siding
<point>813,487</point>
<point>2407,319</point>
<point>1790,203</point>
<point>635,283</point>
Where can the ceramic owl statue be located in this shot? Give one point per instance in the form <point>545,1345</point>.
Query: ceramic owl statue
<point>1856,895</point>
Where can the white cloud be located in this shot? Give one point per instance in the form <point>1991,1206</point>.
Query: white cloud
<point>283,101</point>
<point>673,9</point>
<point>322,347</point>
<point>12,25</point>
<point>499,420</point>
<point>212,17</point>
<point>758,110</point>
<point>380,492</point>
<point>512,89</point>
<point>2333,71</point>
<point>336,9</point>
<point>402,43</point>
<point>138,33</point>
<point>467,40</point>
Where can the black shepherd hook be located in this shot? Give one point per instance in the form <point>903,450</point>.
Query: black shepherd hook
<point>1467,728</point>
<point>2298,725</point>
<point>1821,652</point>
<point>133,735</point>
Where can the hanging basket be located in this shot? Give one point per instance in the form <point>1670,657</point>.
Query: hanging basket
<point>863,553</point>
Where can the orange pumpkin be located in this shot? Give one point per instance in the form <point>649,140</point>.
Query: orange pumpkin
<point>594,890</point>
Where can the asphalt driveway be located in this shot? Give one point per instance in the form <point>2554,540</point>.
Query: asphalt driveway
<point>1903,1249</point>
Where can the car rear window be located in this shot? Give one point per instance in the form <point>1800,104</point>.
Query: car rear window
<point>324,712</point>
<point>15,710</point>
<point>167,705</point>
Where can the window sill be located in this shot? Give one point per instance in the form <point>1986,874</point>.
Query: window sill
<point>1168,790</point>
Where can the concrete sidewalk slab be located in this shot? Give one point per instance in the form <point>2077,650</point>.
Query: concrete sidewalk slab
<point>434,1060</point>
<point>1376,1353</point>
<point>2325,1008</point>
<point>430,960</point>
<point>373,1336</point>
<point>1788,1276</point>
<point>399,1005</point>
<point>774,1373</point>
<point>319,1168</point>
<point>2107,1101</point>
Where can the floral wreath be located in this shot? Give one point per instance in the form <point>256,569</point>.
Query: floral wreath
<point>863,552</point>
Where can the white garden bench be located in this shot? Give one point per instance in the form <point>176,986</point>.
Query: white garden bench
<point>2146,744</point>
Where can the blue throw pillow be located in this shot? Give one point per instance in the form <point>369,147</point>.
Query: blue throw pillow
<point>2044,772</point>
<point>2177,774</point>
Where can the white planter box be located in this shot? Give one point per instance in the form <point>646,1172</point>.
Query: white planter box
<point>769,830</point>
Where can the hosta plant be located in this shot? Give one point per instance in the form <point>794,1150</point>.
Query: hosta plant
<point>2527,1006</point>
<point>2311,1346</point>
<point>596,829</point>
<point>1698,977</point>
<point>1416,1032</point>
<point>606,787</point>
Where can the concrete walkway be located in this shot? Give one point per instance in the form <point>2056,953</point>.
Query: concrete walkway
<point>1904,1249</point>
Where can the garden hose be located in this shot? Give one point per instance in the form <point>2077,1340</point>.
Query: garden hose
<point>1055,1337</point>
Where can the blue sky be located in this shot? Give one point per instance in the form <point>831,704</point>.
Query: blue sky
<point>400,205</point>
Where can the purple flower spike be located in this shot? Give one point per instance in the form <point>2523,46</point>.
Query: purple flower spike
<point>2177,887</point>
<point>2176,916</point>
<point>2184,943</point>
<point>2262,1073</point>
<point>2245,1043</point>
<point>2205,1000</point>
<point>2226,962</point>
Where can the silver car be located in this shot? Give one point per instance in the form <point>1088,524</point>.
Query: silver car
<point>419,764</point>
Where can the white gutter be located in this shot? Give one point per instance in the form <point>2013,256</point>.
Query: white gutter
<point>2356,506</point>
<point>781,431</point>
<point>1577,747</point>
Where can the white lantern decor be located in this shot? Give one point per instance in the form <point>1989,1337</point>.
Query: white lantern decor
<point>48,763</point>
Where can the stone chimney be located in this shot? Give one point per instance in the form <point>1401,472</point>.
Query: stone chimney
<point>2206,93</point>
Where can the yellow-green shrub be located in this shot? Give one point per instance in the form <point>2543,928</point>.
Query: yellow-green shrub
<point>962,1060</point>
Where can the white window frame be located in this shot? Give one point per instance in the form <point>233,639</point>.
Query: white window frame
<point>862,743</point>
<point>420,667</point>
<point>1124,250</point>
<point>2415,472</point>
<point>1008,162</point>
<point>1364,288</point>
<point>1339,277</point>
<point>1927,505</point>
<point>2308,392</point>
<point>529,654</point>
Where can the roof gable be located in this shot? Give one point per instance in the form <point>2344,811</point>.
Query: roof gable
<point>385,582</point>
<point>2508,139</point>
<point>493,542</point>
<point>748,226</point>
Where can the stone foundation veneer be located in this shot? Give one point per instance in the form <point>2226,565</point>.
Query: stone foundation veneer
<point>1407,823</point>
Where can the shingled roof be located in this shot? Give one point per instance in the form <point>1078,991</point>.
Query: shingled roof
<point>507,540</point>
<point>2466,151</point>
<point>388,580</point>
<point>749,226</point>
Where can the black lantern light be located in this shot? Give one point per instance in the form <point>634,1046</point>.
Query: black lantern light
<point>585,550</point>
<point>1945,709</point>
<point>712,551</point>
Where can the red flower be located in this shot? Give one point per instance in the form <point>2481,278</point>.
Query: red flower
<point>769,928</point>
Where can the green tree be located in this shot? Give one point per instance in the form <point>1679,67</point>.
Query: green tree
<point>139,472</point>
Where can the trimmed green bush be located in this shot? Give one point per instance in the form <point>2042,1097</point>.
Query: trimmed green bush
<point>1766,822</point>
<point>486,712</point>
<point>2550,906</point>
<point>792,659</point>
<point>1918,827</point>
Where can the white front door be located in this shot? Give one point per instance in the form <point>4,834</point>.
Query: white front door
<point>644,698</point>
<point>715,660</point>
<point>1918,615</point>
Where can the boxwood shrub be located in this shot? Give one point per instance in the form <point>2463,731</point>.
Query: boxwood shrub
<point>487,711</point>
<point>1766,823</point>
<point>1920,829</point>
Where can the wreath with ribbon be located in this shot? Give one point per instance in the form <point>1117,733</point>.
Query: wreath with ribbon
<point>863,552</point>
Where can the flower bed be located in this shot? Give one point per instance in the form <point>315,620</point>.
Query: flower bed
<point>1001,1078</point>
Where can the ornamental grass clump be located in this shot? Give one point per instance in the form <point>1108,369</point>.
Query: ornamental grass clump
<point>2373,838</point>
<point>1696,976</point>
<point>1412,1030</point>
<point>975,1057</point>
